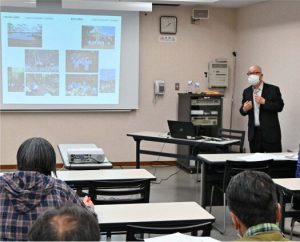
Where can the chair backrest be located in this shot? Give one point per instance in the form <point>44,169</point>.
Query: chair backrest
<point>234,167</point>
<point>234,134</point>
<point>119,191</point>
<point>133,230</point>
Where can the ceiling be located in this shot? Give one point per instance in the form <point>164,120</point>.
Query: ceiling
<point>214,3</point>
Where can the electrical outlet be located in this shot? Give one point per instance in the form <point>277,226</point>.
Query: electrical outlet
<point>177,86</point>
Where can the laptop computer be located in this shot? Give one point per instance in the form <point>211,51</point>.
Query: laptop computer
<point>182,130</point>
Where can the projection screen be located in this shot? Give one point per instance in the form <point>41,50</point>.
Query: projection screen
<point>69,60</point>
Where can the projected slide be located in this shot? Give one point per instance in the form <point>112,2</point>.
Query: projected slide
<point>60,59</point>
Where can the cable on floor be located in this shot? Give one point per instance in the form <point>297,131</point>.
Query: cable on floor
<point>165,179</point>
<point>161,162</point>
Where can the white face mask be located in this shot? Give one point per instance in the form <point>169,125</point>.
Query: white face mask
<point>253,80</point>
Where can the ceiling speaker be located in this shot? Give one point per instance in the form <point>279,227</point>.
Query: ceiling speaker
<point>198,14</point>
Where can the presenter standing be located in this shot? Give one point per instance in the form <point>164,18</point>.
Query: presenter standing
<point>262,102</point>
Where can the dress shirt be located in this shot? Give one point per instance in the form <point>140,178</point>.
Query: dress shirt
<point>257,91</point>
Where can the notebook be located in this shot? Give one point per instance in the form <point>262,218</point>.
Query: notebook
<point>182,130</point>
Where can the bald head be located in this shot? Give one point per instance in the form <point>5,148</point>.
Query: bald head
<point>68,223</point>
<point>63,224</point>
<point>254,69</point>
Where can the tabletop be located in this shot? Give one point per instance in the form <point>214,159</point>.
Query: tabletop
<point>214,158</point>
<point>111,174</point>
<point>291,184</point>
<point>152,212</point>
<point>165,136</point>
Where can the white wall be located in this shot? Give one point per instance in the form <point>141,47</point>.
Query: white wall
<point>187,59</point>
<point>268,34</point>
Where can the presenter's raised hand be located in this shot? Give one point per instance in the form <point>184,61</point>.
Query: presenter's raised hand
<point>88,202</point>
<point>259,99</point>
<point>247,106</point>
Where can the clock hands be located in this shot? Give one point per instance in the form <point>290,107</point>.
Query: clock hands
<point>168,24</point>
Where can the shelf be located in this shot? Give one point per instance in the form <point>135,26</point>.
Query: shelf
<point>205,113</point>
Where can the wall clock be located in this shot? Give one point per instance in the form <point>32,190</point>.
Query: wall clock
<point>168,25</point>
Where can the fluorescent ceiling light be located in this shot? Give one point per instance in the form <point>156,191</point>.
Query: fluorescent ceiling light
<point>108,5</point>
<point>191,1</point>
<point>18,3</point>
<point>176,1</point>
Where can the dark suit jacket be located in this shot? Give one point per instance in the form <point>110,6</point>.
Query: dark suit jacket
<point>268,113</point>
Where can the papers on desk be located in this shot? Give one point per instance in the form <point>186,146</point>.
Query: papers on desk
<point>292,156</point>
<point>268,156</point>
<point>179,237</point>
<point>208,138</point>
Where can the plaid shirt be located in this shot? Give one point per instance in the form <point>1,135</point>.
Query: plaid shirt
<point>24,195</point>
<point>261,228</point>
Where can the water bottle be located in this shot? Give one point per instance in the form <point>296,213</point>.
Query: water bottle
<point>197,87</point>
<point>190,86</point>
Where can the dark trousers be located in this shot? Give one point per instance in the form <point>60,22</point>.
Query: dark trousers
<point>257,144</point>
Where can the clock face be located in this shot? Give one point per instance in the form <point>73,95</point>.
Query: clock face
<point>168,24</point>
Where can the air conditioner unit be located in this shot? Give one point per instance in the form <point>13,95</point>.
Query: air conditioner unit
<point>218,73</point>
<point>198,14</point>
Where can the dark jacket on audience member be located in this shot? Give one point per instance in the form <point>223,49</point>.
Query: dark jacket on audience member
<point>24,195</point>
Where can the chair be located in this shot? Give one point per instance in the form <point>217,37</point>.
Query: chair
<point>296,208</point>
<point>133,230</point>
<point>293,221</point>
<point>233,134</point>
<point>119,192</point>
<point>231,169</point>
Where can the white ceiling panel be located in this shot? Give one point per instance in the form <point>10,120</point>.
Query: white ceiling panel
<point>213,3</point>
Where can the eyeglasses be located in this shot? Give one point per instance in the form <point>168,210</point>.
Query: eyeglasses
<point>253,73</point>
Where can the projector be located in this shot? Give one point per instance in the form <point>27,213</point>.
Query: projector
<point>85,155</point>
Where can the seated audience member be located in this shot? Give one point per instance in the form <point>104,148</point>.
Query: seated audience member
<point>254,210</point>
<point>296,198</point>
<point>298,164</point>
<point>31,190</point>
<point>68,223</point>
